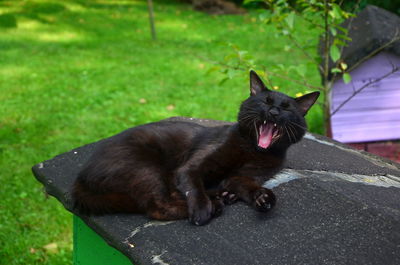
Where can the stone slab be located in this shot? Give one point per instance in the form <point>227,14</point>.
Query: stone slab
<point>335,205</point>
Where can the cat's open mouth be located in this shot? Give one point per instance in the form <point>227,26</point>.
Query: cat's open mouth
<point>267,134</point>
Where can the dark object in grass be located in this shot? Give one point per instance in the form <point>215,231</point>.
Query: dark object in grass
<point>217,7</point>
<point>175,170</point>
<point>8,21</point>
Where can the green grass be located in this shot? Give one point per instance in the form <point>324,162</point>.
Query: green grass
<point>73,72</point>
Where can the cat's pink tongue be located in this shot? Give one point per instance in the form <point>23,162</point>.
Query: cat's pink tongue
<point>265,135</point>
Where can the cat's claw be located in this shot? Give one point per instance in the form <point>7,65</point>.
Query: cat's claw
<point>201,217</point>
<point>264,200</point>
<point>228,198</point>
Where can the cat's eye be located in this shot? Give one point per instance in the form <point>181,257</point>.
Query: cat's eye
<point>269,101</point>
<point>285,105</point>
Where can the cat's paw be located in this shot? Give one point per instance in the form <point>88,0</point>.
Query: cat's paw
<point>218,205</point>
<point>228,197</point>
<point>263,200</point>
<point>201,213</point>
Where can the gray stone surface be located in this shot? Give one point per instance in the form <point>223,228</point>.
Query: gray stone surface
<point>335,206</point>
<point>371,30</point>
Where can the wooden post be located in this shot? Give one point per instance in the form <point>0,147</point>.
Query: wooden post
<point>151,18</point>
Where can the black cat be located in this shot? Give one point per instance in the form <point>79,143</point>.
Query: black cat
<point>173,170</point>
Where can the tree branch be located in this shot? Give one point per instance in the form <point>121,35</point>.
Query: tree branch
<point>300,14</point>
<point>151,19</point>
<point>295,42</point>
<point>396,37</point>
<point>239,68</point>
<point>395,69</point>
<point>285,77</point>
<point>325,69</point>
<point>356,6</point>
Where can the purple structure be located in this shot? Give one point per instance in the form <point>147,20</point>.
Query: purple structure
<point>374,113</point>
<point>371,119</point>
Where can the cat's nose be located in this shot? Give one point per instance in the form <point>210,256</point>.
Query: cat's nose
<point>274,111</point>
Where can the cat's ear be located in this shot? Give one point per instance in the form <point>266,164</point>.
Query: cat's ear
<point>305,102</point>
<point>256,84</point>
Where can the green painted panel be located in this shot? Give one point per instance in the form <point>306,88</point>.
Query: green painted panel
<point>91,249</point>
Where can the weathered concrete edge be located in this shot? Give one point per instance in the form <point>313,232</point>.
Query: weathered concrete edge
<point>49,187</point>
<point>53,191</point>
<point>375,159</point>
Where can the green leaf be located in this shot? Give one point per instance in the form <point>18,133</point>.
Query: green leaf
<point>281,66</point>
<point>339,42</point>
<point>335,70</point>
<point>213,69</point>
<point>231,73</point>
<point>336,12</point>
<point>344,37</point>
<point>290,20</point>
<point>230,57</point>
<point>245,2</point>
<point>301,69</point>
<point>223,81</point>
<point>346,78</point>
<point>342,29</point>
<point>242,53</point>
<point>334,53</point>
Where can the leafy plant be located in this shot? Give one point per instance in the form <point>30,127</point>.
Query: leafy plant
<point>325,16</point>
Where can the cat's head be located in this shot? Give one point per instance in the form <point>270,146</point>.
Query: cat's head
<point>272,119</point>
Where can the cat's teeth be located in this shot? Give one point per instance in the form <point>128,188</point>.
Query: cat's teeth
<point>275,125</point>
<point>265,122</point>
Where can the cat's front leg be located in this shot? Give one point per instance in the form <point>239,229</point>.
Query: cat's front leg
<point>248,190</point>
<point>263,199</point>
<point>201,208</point>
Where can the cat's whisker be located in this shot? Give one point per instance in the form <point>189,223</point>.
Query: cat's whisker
<point>255,127</point>
<point>288,134</point>
<point>298,125</point>
<point>291,130</point>
<point>288,129</point>
<point>292,133</point>
<point>248,117</point>
<point>279,133</point>
<point>247,121</point>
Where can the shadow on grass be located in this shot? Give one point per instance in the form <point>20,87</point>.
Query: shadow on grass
<point>39,11</point>
<point>103,4</point>
<point>31,10</point>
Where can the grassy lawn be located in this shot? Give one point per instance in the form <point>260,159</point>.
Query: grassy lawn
<point>73,72</point>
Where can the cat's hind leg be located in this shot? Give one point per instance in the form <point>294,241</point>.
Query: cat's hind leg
<point>176,208</point>
<point>167,210</point>
<point>89,202</point>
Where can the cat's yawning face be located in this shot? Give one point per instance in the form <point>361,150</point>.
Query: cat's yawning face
<point>272,118</point>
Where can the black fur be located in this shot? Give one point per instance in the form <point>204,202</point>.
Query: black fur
<point>173,170</point>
